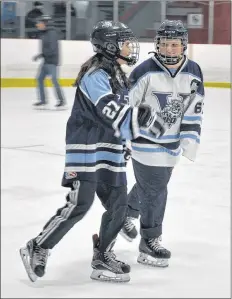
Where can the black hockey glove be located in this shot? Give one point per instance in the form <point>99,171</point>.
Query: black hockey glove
<point>151,120</point>
<point>159,126</point>
<point>146,116</point>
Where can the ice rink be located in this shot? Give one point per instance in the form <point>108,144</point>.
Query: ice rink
<point>196,224</point>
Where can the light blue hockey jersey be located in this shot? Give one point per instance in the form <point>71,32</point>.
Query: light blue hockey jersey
<point>170,94</point>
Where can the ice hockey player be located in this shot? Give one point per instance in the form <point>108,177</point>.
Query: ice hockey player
<point>99,122</point>
<point>173,85</point>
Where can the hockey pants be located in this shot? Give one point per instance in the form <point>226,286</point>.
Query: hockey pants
<point>148,198</point>
<point>79,201</point>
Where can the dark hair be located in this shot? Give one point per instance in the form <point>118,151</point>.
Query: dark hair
<point>98,61</point>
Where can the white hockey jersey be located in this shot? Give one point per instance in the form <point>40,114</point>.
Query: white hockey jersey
<point>170,94</point>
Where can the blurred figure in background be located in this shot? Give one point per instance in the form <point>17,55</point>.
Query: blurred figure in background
<point>50,55</point>
<point>30,20</point>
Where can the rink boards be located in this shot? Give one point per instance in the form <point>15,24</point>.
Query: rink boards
<point>18,69</point>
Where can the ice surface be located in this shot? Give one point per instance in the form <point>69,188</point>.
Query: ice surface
<point>196,226</point>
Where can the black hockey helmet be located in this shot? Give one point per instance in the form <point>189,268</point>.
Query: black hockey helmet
<point>171,30</point>
<point>108,37</point>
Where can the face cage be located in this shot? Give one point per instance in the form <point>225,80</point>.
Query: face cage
<point>170,60</point>
<point>134,47</point>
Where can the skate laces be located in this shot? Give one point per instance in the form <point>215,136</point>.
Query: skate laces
<point>129,225</point>
<point>154,243</point>
<point>110,256</point>
<point>41,255</point>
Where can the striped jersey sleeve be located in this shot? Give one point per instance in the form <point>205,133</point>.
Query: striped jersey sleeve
<point>122,118</point>
<point>190,129</point>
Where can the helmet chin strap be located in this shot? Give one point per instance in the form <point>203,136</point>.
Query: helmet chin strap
<point>171,60</point>
<point>130,61</point>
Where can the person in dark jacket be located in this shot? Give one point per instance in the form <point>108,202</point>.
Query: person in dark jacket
<point>30,20</point>
<point>50,55</point>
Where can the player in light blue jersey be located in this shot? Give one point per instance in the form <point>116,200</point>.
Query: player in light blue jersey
<point>173,85</point>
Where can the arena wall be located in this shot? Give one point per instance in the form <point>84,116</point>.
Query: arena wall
<point>18,69</point>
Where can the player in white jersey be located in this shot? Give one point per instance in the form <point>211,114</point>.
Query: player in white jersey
<point>173,85</point>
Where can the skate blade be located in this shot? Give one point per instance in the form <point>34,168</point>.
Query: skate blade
<point>61,108</point>
<point>25,258</point>
<point>145,259</point>
<point>107,276</point>
<point>41,107</point>
<point>125,236</point>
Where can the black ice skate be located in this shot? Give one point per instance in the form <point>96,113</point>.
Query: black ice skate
<point>129,231</point>
<point>40,106</point>
<point>152,253</point>
<point>105,265</point>
<point>34,259</point>
<point>61,106</point>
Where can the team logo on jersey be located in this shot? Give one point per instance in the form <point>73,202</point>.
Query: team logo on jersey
<point>70,175</point>
<point>194,86</point>
<point>171,105</point>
